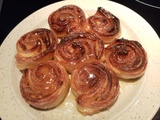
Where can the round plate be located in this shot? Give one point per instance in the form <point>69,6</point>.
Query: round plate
<point>138,99</point>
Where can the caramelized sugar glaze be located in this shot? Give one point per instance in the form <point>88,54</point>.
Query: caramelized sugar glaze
<point>88,49</point>
<point>45,86</point>
<point>77,47</point>
<point>104,24</point>
<point>127,58</point>
<point>34,47</point>
<point>66,20</point>
<point>95,87</point>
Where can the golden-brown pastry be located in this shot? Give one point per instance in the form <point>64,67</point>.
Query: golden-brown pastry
<point>77,47</point>
<point>95,87</point>
<point>67,19</point>
<point>127,58</point>
<point>34,47</point>
<point>45,86</point>
<point>104,24</point>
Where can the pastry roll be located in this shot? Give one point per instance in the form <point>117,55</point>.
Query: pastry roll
<point>45,86</point>
<point>95,87</point>
<point>77,47</point>
<point>34,47</point>
<point>127,58</point>
<point>67,19</point>
<point>104,24</point>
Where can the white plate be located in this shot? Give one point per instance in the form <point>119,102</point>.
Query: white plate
<point>137,100</point>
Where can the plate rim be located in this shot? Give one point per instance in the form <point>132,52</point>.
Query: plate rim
<point>6,42</point>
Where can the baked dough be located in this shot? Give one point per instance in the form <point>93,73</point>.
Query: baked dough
<point>45,86</point>
<point>127,58</point>
<point>34,47</point>
<point>95,87</point>
<point>78,47</point>
<point>66,20</point>
<point>104,24</point>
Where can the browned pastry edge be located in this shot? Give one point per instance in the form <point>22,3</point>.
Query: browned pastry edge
<point>104,24</point>
<point>34,47</point>
<point>95,87</point>
<point>67,19</point>
<point>127,58</point>
<point>78,47</point>
<point>45,86</point>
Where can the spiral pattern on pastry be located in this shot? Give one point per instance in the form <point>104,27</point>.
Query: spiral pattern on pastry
<point>95,87</point>
<point>104,24</point>
<point>67,19</point>
<point>127,58</point>
<point>45,86</point>
<point>78,47</point>
<point>34,47</point>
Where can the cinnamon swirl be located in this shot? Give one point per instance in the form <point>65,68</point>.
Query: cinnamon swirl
<point>127,58</point>
<point>104,24</point>
<point>95,87</point>
<point>78,47</point>
<point>67,19</point>
<point>45,86</point>
<point>34,47</point>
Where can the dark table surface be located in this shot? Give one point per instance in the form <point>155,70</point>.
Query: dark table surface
<point>14,11</point>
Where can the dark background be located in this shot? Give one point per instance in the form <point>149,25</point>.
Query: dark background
<point>14,11</point>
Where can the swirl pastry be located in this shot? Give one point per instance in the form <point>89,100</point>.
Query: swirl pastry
<point>104,24</point>
<point>67,19</point>
<point>95,87</point>
<point>127,58</point>
<point>45,86</point>
<point>34,47</point>
<point>77,47</point>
